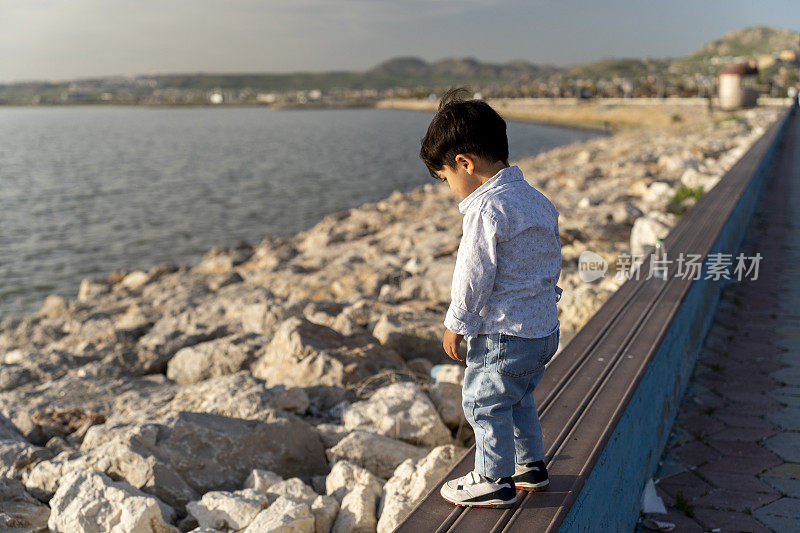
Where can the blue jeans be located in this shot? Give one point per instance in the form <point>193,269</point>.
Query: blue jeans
<point>497,397</point>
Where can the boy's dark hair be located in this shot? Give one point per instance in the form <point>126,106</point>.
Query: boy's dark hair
<point>462,126</point>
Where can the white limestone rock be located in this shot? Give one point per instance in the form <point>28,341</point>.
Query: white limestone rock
<point>446,397</point>
<point>293,488</point>
<point>450,373</point>
<point>344,475</point>
<point>261,479</point>
<point>302,353</point>
<point>411,481</point>
<point>213,358</point>
<point>284,515</point>
<point>649,227</point>
<point>228,509</point>
<point>19,511</point>
<point>692,178</point>
<point>88,501</point>
<point>378,454</point>
<point>358,511</point>
<point>324,508</point>
<point>400,411</point>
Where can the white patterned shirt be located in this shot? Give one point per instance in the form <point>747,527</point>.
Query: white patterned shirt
<point>508,261</point>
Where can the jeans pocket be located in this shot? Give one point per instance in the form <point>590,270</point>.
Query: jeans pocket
<point>552,346</point>
<point>520,356</point>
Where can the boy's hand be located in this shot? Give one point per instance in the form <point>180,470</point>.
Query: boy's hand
<point>451,341</point>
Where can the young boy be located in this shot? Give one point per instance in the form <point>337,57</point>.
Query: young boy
<point>503,298</point>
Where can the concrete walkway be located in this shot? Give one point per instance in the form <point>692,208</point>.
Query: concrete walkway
<point>732,462</point>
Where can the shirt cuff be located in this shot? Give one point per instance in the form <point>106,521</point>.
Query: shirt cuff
<point>461,321</point>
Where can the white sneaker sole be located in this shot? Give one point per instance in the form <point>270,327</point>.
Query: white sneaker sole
<point>532,486</point>
<point>488,503</point>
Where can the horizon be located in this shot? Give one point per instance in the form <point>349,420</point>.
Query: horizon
<point>46,40</point>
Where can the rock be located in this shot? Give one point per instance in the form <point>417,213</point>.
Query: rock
<point>378,454</point>
<point>171,333</point>
<point>421,365</point>
<point>331,434</point>
<point>401,411</point>
<point>261,317</point>
<point>324,509</point>
<point>584,156</point>
<point>344,475</point>
<point>92,288</point>
<point>411,482</point>
<point>8,431</point>
<point>447,399</point>
<point>324,397</point>
<point>411,338</point>
<point>89,501</point>
<point>448,373</point>
<point>86,392</point>
<point>261,480</point>
<point>658,192</point>
<point>127,454</point>
<point>18,457</point>
<point>625,213</point>
<point>54,306</point>
<point>647,228</point>
<point>291,399</point>
<point>692,178</point>
<point>303,354</point>
<point>63,422</point>
<point>25,366</point>
<point>19,511</point>
<point>221,260</point>
<point>193,454</point>
<point>284,515</point>
<point>293,488</point>
<point>237,395</point>
<point>213,452</point>
<point>357,512</point>
<point>228,510</point>
<point>217,357</point>
<point>318,483</point>
<point>678,162</point>
<point>135,280</point>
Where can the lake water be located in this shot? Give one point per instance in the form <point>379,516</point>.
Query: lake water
<point>85,190</point>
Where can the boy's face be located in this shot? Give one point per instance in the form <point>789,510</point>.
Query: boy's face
<point>461,179</point>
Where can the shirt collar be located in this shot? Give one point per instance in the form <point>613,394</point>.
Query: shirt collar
<point>506,175</point>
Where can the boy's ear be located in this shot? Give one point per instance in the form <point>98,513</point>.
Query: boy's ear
<point>466,162</point>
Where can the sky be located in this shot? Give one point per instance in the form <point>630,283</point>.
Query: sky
<point>69,39</point>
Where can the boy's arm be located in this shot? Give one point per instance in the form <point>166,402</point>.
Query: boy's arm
<point>559,290</point>
<point>474,273</point>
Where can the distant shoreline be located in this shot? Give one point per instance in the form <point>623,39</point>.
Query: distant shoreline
<point>605,115</point>
<point>516,117</point>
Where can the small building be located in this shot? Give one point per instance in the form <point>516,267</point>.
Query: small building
<point>737,85</point>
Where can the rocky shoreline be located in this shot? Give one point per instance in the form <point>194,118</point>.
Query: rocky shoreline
<point>288,385</point>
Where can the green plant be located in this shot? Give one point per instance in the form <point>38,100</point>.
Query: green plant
<point>685,192</point>
<point>730,116</point>
<point>676,206</point>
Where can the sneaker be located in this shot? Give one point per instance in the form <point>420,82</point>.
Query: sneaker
<point>475,490</point>
<point>531,476</point>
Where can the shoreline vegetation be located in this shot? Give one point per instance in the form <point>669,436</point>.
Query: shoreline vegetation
<point>290,382</point>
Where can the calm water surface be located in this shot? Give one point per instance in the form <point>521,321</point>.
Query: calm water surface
<point>86,190</point>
